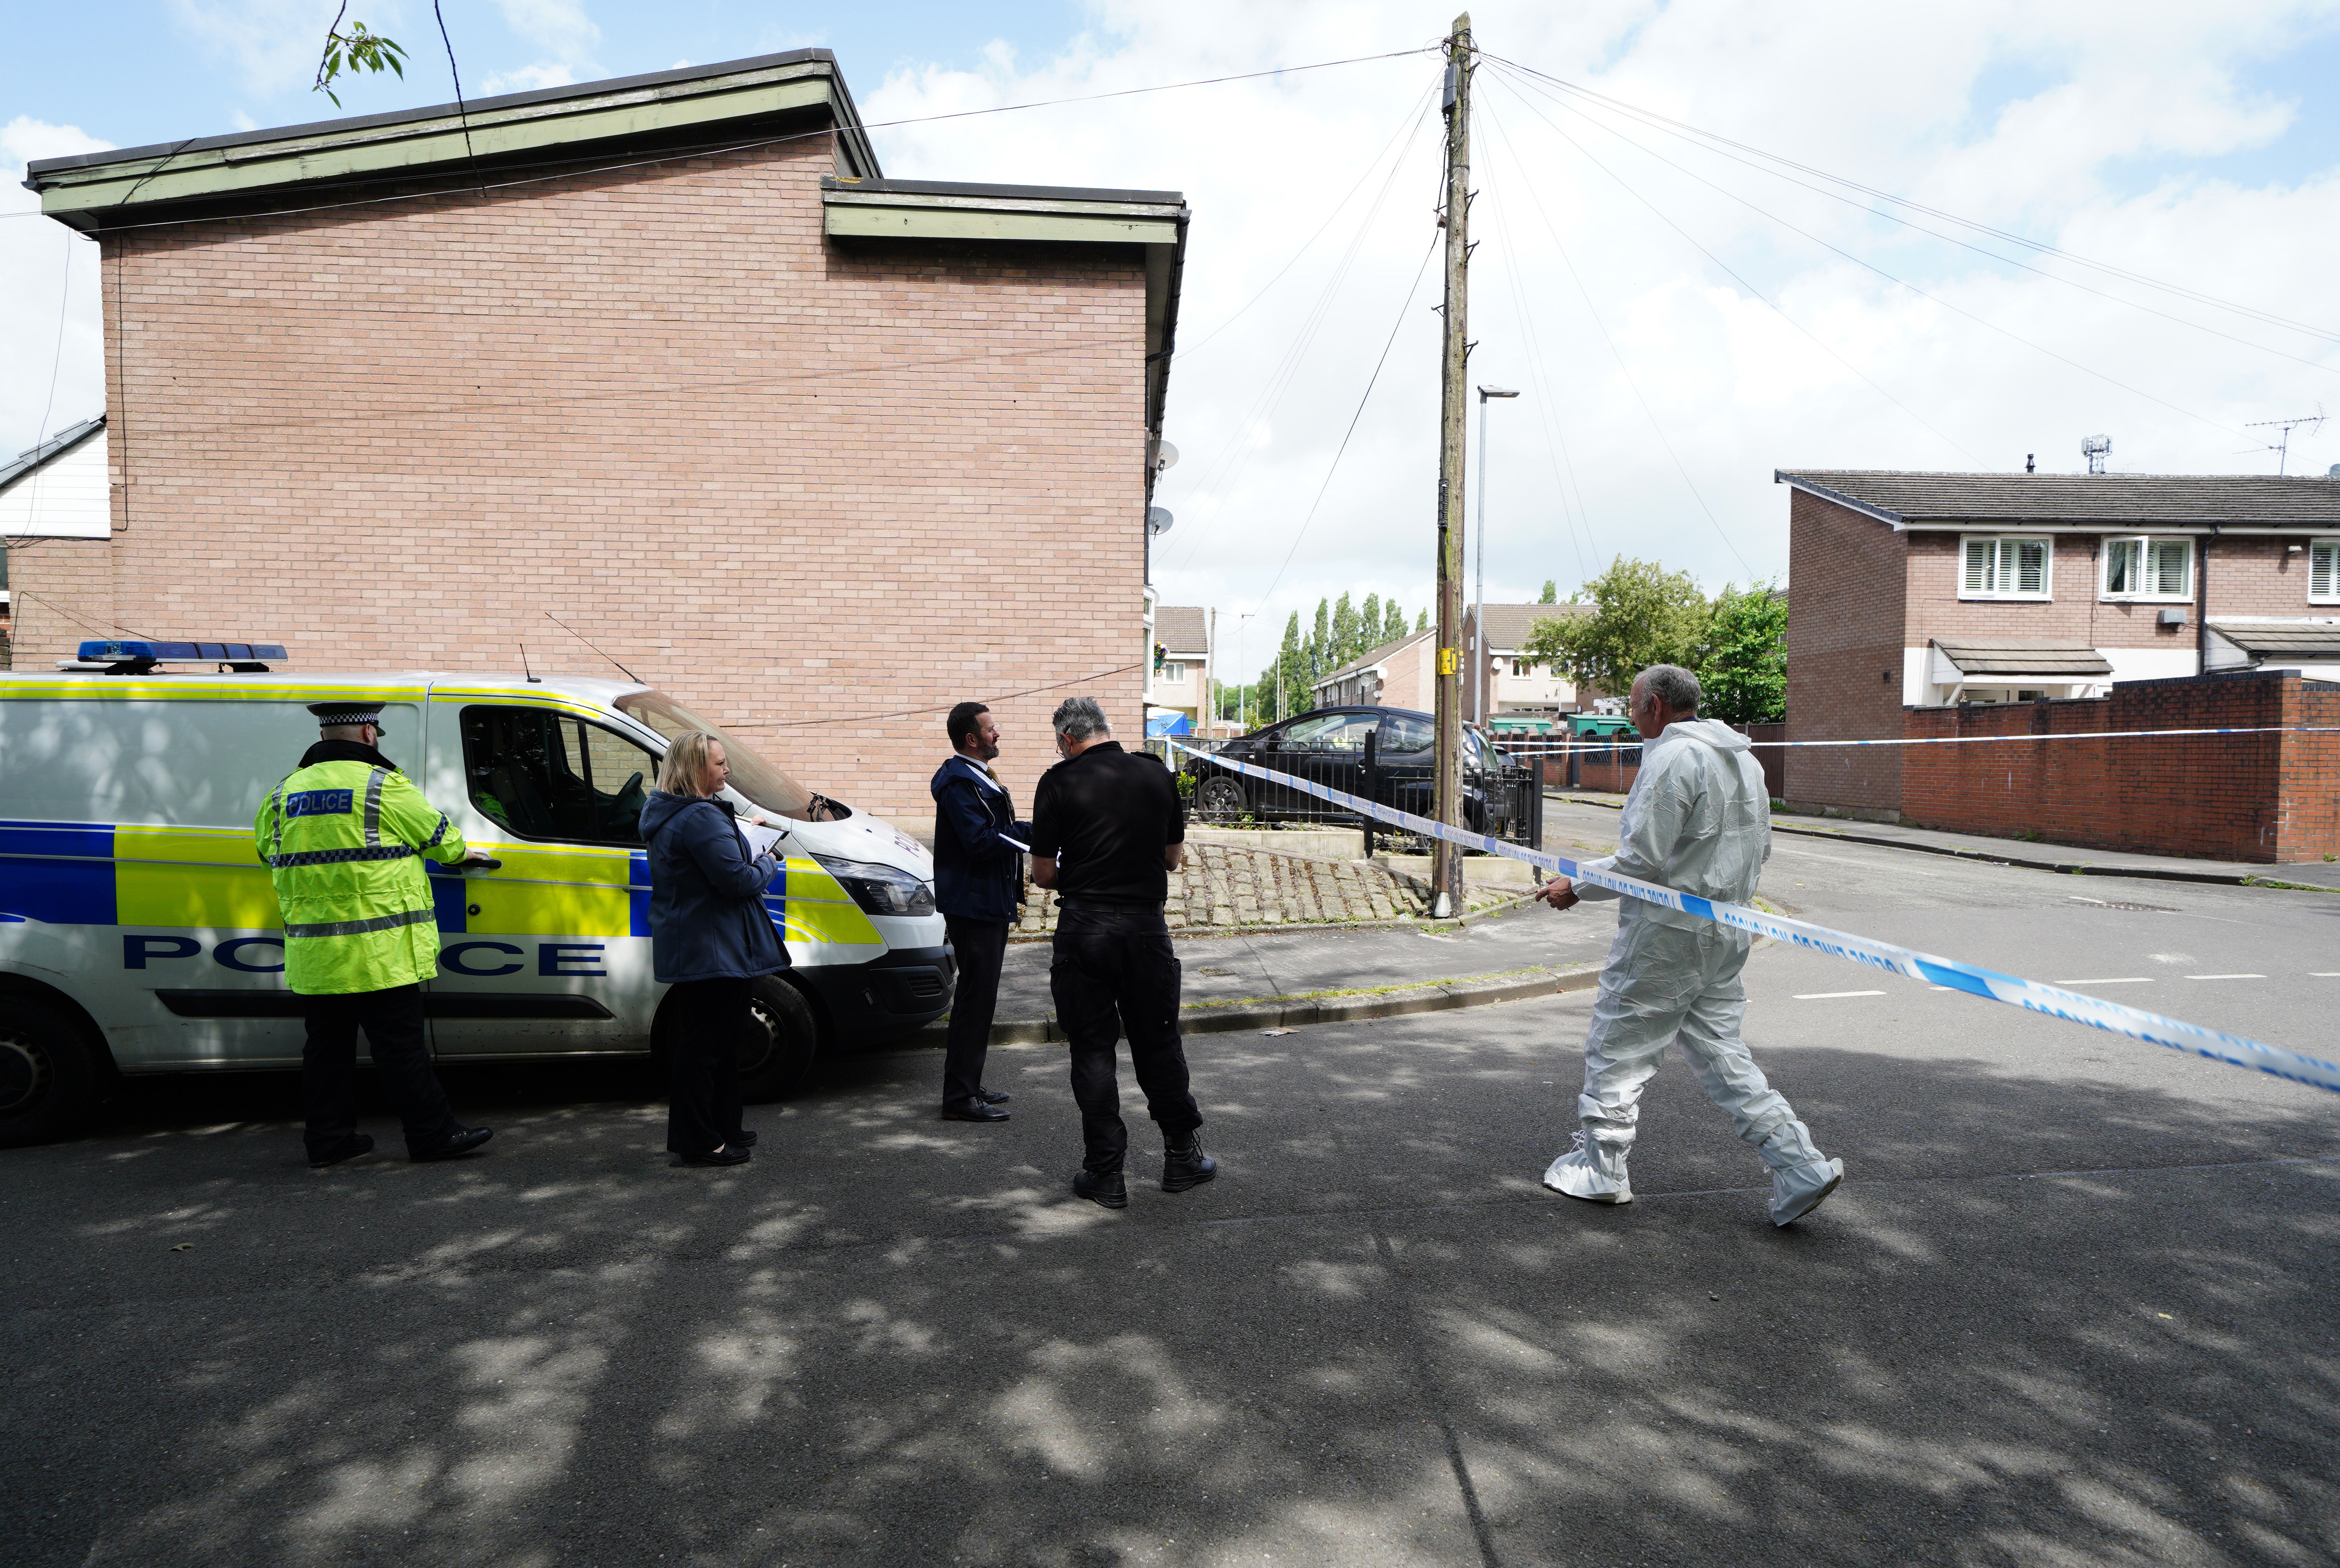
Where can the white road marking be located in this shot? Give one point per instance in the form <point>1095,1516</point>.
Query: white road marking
<point>2124,980</point>
<point>1831,996</point>
<point>2226,977</point>
<point>2324,974</point>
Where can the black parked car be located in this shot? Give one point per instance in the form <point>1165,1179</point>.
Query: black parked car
<point>1328,747</point>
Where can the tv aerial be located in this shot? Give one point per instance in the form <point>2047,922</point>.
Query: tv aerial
<point>2096,449</point>
<point>2282,448</point>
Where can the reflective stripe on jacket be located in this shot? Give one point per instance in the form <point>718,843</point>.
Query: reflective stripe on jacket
<point>343,841</point>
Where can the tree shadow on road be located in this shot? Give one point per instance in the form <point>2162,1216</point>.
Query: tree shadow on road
<point>893,1341</point>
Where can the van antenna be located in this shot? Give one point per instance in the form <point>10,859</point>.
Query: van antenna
<point>590,643</point>
<point>532,675</point>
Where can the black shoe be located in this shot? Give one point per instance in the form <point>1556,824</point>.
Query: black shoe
<point>1104,1187</point>
<point>993,1097</point>
<point>728,1154</point>
<point>745,1138</point>
<point>451,1146</point>
<point>973,1111</point>
<point>1184,1165</point>
<point>349,1148</point>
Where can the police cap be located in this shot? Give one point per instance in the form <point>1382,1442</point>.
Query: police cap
<point>332,713</point>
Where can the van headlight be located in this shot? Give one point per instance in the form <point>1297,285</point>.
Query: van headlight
<point>880,889</point>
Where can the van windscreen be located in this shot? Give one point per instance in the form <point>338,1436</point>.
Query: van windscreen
<point>764,784</point>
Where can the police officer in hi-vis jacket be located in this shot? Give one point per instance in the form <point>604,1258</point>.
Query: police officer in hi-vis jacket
<point>344,837</point>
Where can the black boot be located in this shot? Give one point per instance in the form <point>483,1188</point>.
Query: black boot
<point>1184,1163</point>
<point>1105,1188</point>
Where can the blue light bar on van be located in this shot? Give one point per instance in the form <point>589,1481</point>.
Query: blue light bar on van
<point>181,652</point>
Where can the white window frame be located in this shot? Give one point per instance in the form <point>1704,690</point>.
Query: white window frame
<point>2145,543</point>
<point>2001,540</point>
<point>2329,549</point>
<point>1173,672</point>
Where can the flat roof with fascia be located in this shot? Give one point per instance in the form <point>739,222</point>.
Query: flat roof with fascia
<point>83,188</point>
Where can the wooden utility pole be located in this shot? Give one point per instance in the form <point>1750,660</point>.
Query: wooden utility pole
<point>1446,860</point>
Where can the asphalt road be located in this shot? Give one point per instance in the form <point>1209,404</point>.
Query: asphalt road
<point>2075,1303</point>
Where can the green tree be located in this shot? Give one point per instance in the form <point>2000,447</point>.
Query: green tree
<point>1320,642</point>
<point>1742,666</point>
<point>1393,624</point>
<point>1550,592</point>
<point>1369,626</point>
<point>354,51</point>
<point>1422,622</point>
<point>1344,634</point>
<point>1643,615</point>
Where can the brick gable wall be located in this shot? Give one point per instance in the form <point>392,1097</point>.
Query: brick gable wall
<point>803,484</point>
<point>1847,574</point>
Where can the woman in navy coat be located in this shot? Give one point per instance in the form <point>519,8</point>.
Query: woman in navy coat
<point>710,938</point>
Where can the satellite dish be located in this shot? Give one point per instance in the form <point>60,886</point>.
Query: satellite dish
<point>1158,519</point>
<point>1165,456</point>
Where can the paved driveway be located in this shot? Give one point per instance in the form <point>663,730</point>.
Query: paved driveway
<point>2075,1305</point>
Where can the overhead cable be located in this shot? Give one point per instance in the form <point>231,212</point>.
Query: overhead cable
<point>1935,234</point>
<point>1734,274</point>
<point>1627,371</point>
<point>1716,142</point>
<point>1937,298</point>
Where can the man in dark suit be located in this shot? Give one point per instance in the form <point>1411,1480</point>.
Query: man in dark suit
<point>978,882</point>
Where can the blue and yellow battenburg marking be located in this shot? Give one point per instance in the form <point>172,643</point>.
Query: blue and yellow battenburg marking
<point>98,874</point>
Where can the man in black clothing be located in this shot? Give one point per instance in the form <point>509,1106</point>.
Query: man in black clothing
<point>978,883</point>
<point>1107,831</point>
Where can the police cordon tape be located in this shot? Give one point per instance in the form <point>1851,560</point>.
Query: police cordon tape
<point>1531,747</point>
<point>1949,974</point>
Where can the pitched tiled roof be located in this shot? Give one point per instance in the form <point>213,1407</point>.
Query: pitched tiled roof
<point>2282,639</point>
<point>2115,499</point>
<point>57,445</point>
<point>2062,660</point>
<point>1182,628</point>
<point>1509,625</point>
<point>1376,656</point>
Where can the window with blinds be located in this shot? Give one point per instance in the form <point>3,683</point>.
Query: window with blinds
<point>2148,569</point>
<point>2324,572</point>
<point>2004,568</point>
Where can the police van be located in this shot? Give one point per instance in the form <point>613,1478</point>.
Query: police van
<point>140,934</point>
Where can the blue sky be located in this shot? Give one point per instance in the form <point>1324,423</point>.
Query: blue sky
<point>2199,145</point>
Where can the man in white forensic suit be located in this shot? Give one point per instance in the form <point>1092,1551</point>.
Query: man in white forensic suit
<point>1697,821</point>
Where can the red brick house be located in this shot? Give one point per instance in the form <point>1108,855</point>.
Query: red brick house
<point>1930,592</point>
<point>667,356</point>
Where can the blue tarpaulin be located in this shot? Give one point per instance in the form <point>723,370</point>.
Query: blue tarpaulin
<point>1167,724</point>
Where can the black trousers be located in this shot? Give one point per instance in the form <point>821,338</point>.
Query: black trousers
<point>703,1064</point>
<point>394,1031</point>
<point>1114,971</point>
<point>980,946</point>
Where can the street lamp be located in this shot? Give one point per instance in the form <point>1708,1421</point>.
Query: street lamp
<point>1479,617</point>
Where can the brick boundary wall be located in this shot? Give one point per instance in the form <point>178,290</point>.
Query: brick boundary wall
<point>2256,798</point>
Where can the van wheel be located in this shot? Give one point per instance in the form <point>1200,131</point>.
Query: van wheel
<point>49,1077</point>
<point>776,1058</point>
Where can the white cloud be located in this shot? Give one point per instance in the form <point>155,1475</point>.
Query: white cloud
<point>527,79</point>
<point>275,45</point>
<point>559,27</point>
<point>44,266</point>
<point>2094,156</point>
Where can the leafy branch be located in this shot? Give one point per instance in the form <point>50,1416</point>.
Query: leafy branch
<point>354,51</point>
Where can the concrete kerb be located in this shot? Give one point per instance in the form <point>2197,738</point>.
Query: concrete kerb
<point>1991,858</point>
<point>1320,1007</point>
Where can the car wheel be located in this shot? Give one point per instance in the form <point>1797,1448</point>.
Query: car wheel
<point>1220,799</point>
<point>49,1073</point>
<point>776,1058</point>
